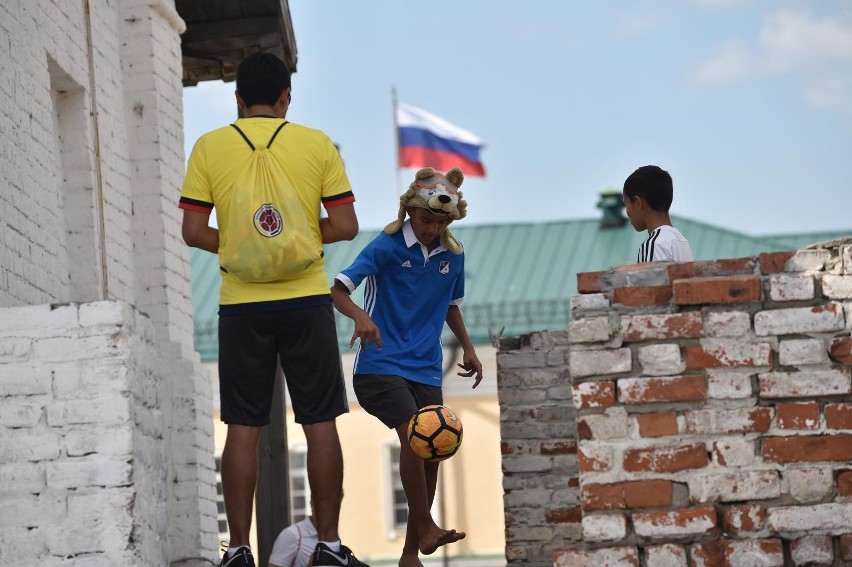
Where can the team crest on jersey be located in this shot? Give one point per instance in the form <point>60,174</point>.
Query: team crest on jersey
<point>444,267</point>
<point>267,221</point>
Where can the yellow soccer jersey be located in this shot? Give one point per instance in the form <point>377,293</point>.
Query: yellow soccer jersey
<point>312,164</point>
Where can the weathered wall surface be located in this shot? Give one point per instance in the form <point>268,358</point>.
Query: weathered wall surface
<point>91,148</point>
<point>713,416</point>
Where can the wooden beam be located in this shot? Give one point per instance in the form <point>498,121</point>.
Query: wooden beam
<point>237,28</point>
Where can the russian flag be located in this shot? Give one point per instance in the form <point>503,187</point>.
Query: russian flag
<point>426,140</point>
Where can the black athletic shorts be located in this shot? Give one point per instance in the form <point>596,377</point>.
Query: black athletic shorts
<point>393,399</point>
<point>305,339</point>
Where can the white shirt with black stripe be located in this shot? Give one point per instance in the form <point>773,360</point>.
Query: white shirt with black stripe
<point>665,244</point>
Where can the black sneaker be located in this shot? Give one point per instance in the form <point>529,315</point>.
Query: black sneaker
<point>241,558</point>
<point>324,556</point>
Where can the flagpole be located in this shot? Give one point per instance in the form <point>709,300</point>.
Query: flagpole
<point>396,143</point>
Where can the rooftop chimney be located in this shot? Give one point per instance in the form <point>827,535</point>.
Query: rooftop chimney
<point>612,204</point>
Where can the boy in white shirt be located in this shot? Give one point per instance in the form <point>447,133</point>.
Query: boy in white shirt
<point>648,193</point>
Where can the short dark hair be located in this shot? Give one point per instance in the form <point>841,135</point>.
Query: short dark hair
<point>653,184</point>
<point>261,78</point>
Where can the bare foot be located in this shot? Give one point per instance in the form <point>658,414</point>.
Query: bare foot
<point>409,559</point>
<point>437,537</point>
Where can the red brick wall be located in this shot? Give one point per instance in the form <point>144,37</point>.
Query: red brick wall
<point>713,412</point>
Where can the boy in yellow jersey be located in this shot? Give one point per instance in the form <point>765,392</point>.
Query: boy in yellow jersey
<point>289,318</point>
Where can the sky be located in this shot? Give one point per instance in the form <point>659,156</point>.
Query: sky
<point>747,103</point>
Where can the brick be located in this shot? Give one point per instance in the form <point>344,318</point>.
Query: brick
<point>734,487</point>
<point>804,384</point>
<point>838,416</point>
<point>817,517</point>
<point>728,385</point>
<point>657,424</point>
<point>675,523</point>
<point>612,424</point>
<point>662,326</point>
<point>703,268</point>
<point>807,260</point>
<point>665,555</point>
<point>807,448</point>
<point>795,320</point>
<point>666,459</point>
<point>594,394</point>
<point>724,290</point>
<point>637,275</point>
<point>638,296</point>
<point>594,458</point>
<point>662,389</point>
<point>797,416</point>
<point>632,494</point>
<point>661,360</point>
<point>726,323</point>
<point>787,287</point>
<point>744,519</point>
<point>589,330</point>
<point>571,515</point>
<point>589,302</point>
<point>812,550</point>
<point>810,484</point>
<point>604,527</point>
<point>738,553</point>
<point>846,547</point>
<point>557,448</point>
<point>774,262</point>
<point>589,282</point>
<point>841,350</point>
<point>725,422</point>
<point>585,363</point>
<point>795,352</point>
<point>624,556</point>
<point>734,453</point>
<point>716,353</point>
<point>844,483</point>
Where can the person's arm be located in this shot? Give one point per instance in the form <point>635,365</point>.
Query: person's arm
<point>340,224</point>
<point>365,329</point>
<point>197,232</point>
<point>470,362</point>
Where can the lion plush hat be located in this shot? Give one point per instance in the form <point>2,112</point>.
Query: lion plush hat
<point>439,193</point>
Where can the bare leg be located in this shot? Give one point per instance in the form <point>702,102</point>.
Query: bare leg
<point>422,533</point>
<point>239,479</point>
<point>325,473</point>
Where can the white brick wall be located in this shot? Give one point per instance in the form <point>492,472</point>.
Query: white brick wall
<point>92,155</point>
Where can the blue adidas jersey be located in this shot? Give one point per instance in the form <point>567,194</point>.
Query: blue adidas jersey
<point>408,291</point>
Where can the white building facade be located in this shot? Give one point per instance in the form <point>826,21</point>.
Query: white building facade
<point>106,447</point>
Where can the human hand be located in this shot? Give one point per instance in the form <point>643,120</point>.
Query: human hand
<point>366,331</point>
<point>470,363</point>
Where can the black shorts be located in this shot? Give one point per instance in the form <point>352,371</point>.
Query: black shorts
<point>393,399</point>
<point>305,340</point>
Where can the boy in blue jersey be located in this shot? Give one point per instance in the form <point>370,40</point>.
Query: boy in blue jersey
<point>415,282</point>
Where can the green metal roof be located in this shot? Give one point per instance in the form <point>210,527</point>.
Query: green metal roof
<point>519,277</point>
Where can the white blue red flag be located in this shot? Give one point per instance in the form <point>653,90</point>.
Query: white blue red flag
<point>426,140</point>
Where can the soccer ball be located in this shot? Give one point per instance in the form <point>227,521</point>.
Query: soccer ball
<point>435,433</point>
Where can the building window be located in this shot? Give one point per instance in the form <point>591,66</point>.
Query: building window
<point>300,488</point>
<point>220,502</point>
<point>398,509</point>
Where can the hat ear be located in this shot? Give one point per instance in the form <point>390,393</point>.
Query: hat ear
<point>455,176</point>
<point>424,173</point>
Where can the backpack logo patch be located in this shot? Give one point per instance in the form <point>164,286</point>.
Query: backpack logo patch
<point>267,221</point>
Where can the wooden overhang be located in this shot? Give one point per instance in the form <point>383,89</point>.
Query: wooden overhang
<point>220,33</point>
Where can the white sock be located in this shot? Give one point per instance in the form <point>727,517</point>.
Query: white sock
<point>332,545</point>
<point>233,550</point>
